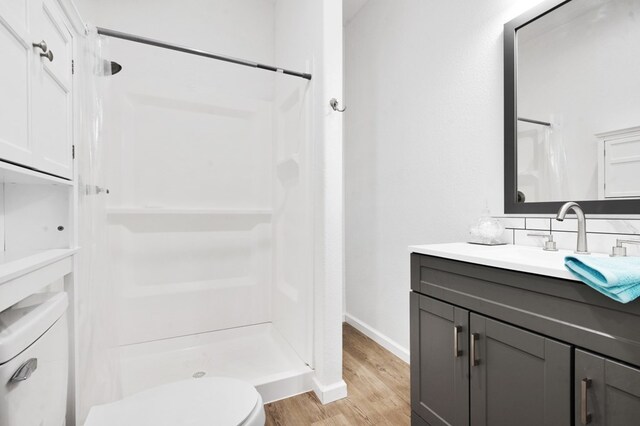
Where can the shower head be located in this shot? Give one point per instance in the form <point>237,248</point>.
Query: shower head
<point>115,68</point>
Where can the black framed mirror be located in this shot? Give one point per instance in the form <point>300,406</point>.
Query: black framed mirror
<point>572,107</point>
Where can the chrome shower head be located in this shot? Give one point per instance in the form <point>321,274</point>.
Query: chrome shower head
<point>115,68</point>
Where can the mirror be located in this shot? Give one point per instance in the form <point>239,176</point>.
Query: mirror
<point>572,107</point>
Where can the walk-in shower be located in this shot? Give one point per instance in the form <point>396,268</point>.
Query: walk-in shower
<point>209,204</point>
<point>213,212</point>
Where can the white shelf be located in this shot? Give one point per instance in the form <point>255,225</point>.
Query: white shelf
<point>167,211</point>
<point>25,273</point>
<point>10,173</point>
<point>15,264</point>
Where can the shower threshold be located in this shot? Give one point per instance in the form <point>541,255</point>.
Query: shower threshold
<point>255,353</point>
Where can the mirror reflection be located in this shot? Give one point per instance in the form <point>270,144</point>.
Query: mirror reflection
<point>578,103</point>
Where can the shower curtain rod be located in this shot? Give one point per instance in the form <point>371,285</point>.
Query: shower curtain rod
<point>151,42</point>
<point>529,120</point>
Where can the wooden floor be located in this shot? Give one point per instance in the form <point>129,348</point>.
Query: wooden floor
<point>377,383</point>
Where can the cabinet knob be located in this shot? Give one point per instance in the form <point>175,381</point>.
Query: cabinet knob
<point>48,55</point>
<point>42,45</point>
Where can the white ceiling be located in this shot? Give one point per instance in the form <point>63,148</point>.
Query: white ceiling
<point>350,8</point>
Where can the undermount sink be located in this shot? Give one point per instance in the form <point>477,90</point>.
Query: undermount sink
<point>533,260</point>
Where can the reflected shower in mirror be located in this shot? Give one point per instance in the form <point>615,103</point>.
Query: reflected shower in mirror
<point>578,103</point>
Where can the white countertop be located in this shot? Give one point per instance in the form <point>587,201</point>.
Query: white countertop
<point>532,260</point>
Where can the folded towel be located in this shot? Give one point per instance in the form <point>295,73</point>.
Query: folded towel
<point>615,277</point>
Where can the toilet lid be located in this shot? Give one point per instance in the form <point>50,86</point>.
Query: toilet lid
<point>193,402</point>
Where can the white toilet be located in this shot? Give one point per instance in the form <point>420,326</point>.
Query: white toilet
<point>211,401</point>
<point>34,361</point>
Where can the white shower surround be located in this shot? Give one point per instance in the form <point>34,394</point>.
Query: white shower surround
<point>315,47</point>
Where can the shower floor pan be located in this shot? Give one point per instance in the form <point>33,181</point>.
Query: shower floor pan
<point>256,353</point>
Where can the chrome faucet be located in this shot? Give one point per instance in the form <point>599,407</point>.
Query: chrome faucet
<point>582,225</point>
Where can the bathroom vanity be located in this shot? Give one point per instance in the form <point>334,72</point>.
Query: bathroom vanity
<point>506,336</point>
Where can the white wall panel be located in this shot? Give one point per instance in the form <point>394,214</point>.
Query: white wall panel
<point>190,167</point>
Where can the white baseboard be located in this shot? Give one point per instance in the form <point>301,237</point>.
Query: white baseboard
<point>384,341</point>
<point>330,393</point>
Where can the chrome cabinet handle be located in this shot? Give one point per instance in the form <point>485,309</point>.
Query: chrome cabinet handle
<point>42,45</point>
<point>474,339</point>
<point>585,416</point>
<point>48,55</point>
<point>25,371</point>
<point>456,331</point>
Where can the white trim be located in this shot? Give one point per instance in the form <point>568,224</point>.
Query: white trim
<point>330,393</point>
<point>618,133</point>
<point>73,15</point>
<point>384,341</point>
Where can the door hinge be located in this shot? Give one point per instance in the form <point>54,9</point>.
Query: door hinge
<point>73,152</point>
<point>73,67</point>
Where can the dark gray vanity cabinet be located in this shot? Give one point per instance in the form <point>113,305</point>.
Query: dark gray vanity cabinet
<point>468,366</point>
<point>494,347</point>
<point>607,392</point>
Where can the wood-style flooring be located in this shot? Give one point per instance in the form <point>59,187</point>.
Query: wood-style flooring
<point>377,384</point>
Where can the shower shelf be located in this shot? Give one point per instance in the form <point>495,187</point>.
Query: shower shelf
<point>169,211</point>
<point>10,173</point>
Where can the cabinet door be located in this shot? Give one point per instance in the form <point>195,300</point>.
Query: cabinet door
<point>51,102</point>
<point>17,56</point>
<point>517,377</point>
<point>439,362</point>
<point>607,393</point>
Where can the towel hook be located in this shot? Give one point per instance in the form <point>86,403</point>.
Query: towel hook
<point>334,104</point>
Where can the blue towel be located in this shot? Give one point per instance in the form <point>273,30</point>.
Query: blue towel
<point>615,277</point>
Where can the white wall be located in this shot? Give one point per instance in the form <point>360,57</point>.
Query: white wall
<point>423,142</point>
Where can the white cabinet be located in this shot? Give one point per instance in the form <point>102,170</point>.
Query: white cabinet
<point>619,164</point>
<point>36,101</point>
<point>16,51</point>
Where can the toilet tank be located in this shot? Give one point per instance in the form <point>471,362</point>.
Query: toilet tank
<point>34,361</point>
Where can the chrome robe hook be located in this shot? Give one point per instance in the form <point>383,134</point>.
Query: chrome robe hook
<point>335,105</point>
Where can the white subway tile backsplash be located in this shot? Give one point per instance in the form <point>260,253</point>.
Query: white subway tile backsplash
<point>541,224</point>
<point>598,243</point>
<point>512,222</point>
<point>600,225</point>
<point>602,232</point>
<point>522,238</point>
<point>602,243</point>
<point>507,236</point>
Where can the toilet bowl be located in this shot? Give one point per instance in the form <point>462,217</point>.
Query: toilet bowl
<point>211,401</point>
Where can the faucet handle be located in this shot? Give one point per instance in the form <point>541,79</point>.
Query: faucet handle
<point>549,244</point>
<point>620,250</point>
